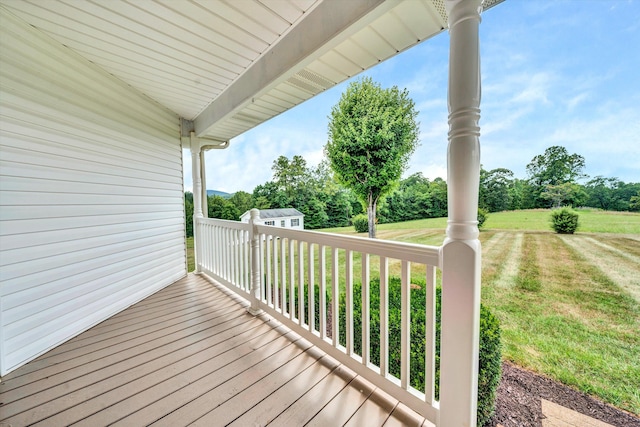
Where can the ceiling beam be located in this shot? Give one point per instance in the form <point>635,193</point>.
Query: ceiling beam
<point>322,28</point>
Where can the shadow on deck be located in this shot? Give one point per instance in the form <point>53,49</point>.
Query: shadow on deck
<point>191,354</point>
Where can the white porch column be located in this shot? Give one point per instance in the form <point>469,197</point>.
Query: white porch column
<point>461,250</point>
<point>197,195</point>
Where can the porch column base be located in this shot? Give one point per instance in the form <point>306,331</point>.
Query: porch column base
<point>256,290</point>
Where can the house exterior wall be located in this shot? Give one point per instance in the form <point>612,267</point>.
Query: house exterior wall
<point>277,221</point>
<point>91,194</point>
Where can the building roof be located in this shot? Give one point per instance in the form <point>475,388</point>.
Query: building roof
<point>277,213</point>
<point>225,68</point>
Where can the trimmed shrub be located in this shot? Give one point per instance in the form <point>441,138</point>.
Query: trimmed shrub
<point>482,216</point>
<point>490,344</point>
<point>361,223</point>
<point>564,220</point>
<point>490,367</point>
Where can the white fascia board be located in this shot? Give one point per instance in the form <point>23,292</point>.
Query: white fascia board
<point>327,24</point>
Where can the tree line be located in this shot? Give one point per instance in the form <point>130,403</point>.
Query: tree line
<point>552,181</point>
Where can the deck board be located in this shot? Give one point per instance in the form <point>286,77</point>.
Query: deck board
<point>191,354</point>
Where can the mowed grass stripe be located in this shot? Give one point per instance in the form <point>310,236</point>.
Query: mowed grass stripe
<point>622,271</point>
<point>615,251</point>
<point>494,251</point>
<point>528,277</point>
<point>511,264</point>
<point>626,244</point>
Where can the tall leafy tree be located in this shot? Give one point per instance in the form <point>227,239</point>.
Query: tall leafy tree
<point>222,208</point>
<point>602,192</point>
<point>494,189</point>
<point>289,175</point>
<point>372,134</point>
<point>269,196</point>
<point>415,198</point>
<point>634,202</point>
<point>242,200</point>
<point>555,167</point>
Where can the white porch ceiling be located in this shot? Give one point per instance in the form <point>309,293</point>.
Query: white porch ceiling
<point>231,65</point>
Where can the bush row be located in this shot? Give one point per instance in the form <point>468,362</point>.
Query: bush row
<point>490,344</point>
<point>490,358</point>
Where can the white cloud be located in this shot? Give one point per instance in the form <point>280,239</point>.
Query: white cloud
<point>577,100</point>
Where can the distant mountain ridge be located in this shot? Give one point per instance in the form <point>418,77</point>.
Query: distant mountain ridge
<point>219,193</point>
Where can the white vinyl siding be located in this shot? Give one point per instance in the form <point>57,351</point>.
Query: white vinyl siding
<point>91,194</point>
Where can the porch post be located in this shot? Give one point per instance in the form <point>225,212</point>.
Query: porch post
<point>204,200</point>
<point>461,250</point>
<point>197,196</point>
<point>254,294</point>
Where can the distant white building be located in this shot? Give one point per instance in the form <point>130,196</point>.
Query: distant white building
<point>285,218</point>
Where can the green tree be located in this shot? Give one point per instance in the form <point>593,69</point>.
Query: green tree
<point>625,193</point>
<point>520,195</point>
<point>314,212</point>
<point>564,194</point>
<point>602,192</point>
<point>222,208</point>
<point>634,202</point>
<point>289,175</point>
<point>415,198</point>
<point>555,167</point>
<point>438,198</point>
<point>372,134</point>
<point>270,197</point>
<point>242,200</point>
<point>494,193</point>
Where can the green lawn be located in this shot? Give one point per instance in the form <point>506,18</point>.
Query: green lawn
<point>591,220</point>
<point>191,261</point>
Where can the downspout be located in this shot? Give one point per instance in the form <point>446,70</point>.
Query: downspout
<point>203,173</point>
<point>197,146</point>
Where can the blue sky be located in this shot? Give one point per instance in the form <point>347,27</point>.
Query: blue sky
<point>553,73</point>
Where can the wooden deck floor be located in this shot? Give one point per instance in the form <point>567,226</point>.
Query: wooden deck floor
<point>191,355</point>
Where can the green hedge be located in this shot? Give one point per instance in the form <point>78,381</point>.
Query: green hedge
<point>490,344</point>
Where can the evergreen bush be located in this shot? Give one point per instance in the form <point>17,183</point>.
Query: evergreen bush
<point>490,344</point>
<point>564,220</point>
<point>361,223</point>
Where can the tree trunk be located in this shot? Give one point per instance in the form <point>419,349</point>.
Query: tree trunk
<point>371,211</point>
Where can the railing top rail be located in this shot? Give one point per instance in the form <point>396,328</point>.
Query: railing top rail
<point>236,225</point>
<point>397,250</point>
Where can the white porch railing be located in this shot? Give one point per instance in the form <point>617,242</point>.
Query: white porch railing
<point>282,272</point>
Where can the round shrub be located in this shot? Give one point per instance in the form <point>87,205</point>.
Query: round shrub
<point>490,359</point>
<point>564,220</point>
<point>482,216</point>
<point>361,223</point>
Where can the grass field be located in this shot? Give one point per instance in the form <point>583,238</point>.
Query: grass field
<point>569,305</point>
